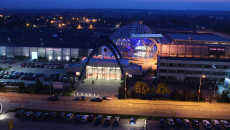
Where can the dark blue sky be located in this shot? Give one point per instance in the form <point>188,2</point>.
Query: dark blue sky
<point>129,4</point>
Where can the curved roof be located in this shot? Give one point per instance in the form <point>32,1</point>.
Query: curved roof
<point>127,30</point>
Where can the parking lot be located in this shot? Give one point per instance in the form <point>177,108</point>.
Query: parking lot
<point>55,123</point>
<point>48,124</point>
<point>27,71</point>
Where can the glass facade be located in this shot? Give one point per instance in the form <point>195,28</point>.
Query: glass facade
<point>103,72</point>
<point>137,47</point>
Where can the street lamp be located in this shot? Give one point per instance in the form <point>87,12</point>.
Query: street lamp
<point>203,76</point>
<point>126,74</point>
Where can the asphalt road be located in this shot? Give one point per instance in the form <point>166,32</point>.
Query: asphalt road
<point>115,106</point>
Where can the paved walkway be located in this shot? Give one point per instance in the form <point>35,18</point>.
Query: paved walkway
<point>100,87</point>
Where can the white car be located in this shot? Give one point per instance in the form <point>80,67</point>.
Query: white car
<point>69,116</point>
<point>186,122</point>
<point>170,122</point>
<point>216,123</point>
<point>225,124</point>
<point>108,119</point>
<point>1,108</point>
<point>206,124</point>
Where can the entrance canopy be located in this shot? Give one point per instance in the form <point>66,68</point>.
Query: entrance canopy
<point>106,62</point>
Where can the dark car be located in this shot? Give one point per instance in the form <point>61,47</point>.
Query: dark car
<point>96,100</point>
<point>162,123</point>
<point>99,119</point>
<point>53,98</point>
<point>44,116</point>
<point>90,119</point>
<point>19,113</point>
<point>116,121</point>
<point>132,120</point>
<point>178,122</point>
<point>28,114</point>
<point>81,98</point>
<point>52,115</point>
<point>60,116</point>
<point>195,123</point>
<point>46,78</point>
<point>36,115</point>
<point>77,117</point>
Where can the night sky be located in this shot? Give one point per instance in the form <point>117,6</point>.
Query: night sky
<point>127,4</point>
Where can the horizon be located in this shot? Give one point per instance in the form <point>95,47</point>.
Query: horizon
<point>209,5</point>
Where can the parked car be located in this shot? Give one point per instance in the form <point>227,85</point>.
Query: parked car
<point>91,118</point>
<point>19,113</point>
<point>46,78</point>
<point>84,118</point>
<point>132,120</point>
<point>195,123</point>
<point>44,116</point>
<point>178,122</point>
<point>69,116</point>
<point>53,98</point>
<point>36,115</point>
<point>216,123</point>
<point>60,116</point>
<point>52,115</point>
<point>99,119</point>
<point>80,98</point>
<point>96,100</point>
<point>186,122</point>
<point>162,123</point>
<point>116,121</point>
<point>206,124</point>
<point>108,119</point>
<point>170,122</point>
<point>77,117</point>
<point>225,124</point>
<point>28,114</point>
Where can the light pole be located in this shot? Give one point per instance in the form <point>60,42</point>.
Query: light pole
<point>203,76</point>
<point>125,83</point>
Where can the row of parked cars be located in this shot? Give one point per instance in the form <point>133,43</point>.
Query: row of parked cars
<point>45,65</point>
<point>16,75</point>
<point>68,117</point>
<point>195,123</point>
<point>7,62</point>
<point>9,74</point>
<point>32,76</point>
<point>60,78</point>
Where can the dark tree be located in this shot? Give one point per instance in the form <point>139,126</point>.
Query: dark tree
<point>175,94</point>
<point>38,85</point>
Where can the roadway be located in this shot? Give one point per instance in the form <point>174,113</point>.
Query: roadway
<point>115,106</point>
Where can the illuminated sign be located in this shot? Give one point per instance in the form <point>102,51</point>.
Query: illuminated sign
<point>103,57</point>
<point>53,49</point>
<point>216,49</point>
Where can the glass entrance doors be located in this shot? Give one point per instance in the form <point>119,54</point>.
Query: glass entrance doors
<point>103,72</point>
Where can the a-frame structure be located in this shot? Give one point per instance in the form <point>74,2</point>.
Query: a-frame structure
<point>110,44</point>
